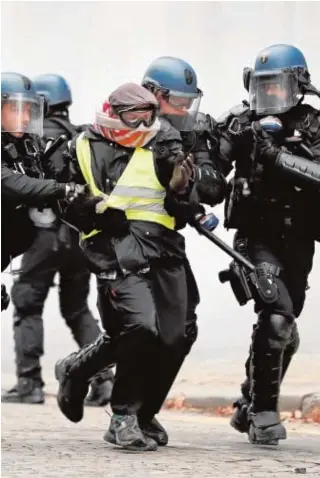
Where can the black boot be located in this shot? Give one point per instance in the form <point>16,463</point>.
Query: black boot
<point>26,391</point>
<point>101,389</point>
<point>125,431</point>
<point>266,370</point>
<point>75,371</point>
<point>240,420</point>
<point>153,429</point>
<point>266,428</point>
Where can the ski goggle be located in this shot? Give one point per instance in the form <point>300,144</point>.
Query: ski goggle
<point>135,118</point>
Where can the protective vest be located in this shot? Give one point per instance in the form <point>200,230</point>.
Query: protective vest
<point>138,192</point>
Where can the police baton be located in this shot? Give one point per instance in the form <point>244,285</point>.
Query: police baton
<point>221,244</point>
<point>244,286</point>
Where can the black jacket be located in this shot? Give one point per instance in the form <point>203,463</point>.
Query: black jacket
<point>54,126</point>
<point>275,205</point>
<point>22,174</point>
<point>22,185</point>
<point>133,245</point>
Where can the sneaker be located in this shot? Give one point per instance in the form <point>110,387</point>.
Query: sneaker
<point>125,432</point>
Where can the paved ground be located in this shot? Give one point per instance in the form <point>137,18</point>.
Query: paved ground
<point>38,442</point>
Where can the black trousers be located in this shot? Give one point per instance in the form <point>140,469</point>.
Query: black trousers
<point>294,257</point>
<point>159,388</point>
<point>145,316</point>
<point>275,338</point>
<point>39,266</point>
<point>17,235</point>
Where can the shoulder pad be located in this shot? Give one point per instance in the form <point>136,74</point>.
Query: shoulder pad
<point>204,122</point>
<point>236,110</point>
<point>310,117</point>
<point>167,131</point>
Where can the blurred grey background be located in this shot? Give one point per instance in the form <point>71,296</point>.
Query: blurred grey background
<point>98,45</point>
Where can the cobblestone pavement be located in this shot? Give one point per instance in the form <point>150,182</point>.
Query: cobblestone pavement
<point>37,441</point>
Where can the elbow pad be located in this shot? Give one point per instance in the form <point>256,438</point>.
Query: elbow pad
<point>303,172</point>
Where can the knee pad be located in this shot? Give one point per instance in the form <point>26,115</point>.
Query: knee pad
<point>280,328</point>
<point>294,340</point>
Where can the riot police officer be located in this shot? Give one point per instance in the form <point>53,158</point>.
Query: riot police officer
<point>55,249</point>
<point>274,142</point>
<point>174,83</point>
<point>22,177</point>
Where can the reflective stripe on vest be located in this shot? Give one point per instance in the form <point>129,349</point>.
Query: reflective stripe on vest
<point>138,192</point>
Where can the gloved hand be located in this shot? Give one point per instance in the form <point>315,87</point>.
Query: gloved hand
<point>268,150</point>
<point>82,211</point>
<point>74,191</point>
<point>183,172</point>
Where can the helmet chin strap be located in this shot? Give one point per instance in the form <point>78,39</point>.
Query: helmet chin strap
<point>309,89</point>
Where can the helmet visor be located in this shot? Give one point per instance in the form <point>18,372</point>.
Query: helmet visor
<point>273,92</point>
<point>184,109</point>
<point>22,114</point>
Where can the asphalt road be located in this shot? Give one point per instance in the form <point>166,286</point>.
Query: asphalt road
<point>37,441</point>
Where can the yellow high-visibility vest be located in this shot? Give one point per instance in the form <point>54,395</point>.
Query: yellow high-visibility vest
<point>138,192</point>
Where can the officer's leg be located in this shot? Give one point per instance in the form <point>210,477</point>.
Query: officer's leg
<point>170,293</point>
<point>269,339</point>
<point>193,302</point>
<point>297,272</point>
<point>28,295</point>
<point>74,291</point>
<point>239,420</point>
<point>133,328</point>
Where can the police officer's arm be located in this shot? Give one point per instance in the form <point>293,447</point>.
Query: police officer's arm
<point>25,188</point>
<point>304,172</point>
<point>232,145</point>
<point>315,146</point>
<point>72,171</point>
<point>210,183</point>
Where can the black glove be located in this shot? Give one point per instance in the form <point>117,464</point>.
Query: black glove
<point>74,191</point>
<point>268,150</point>
<point>81,212</point>
<point>5,299</point>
